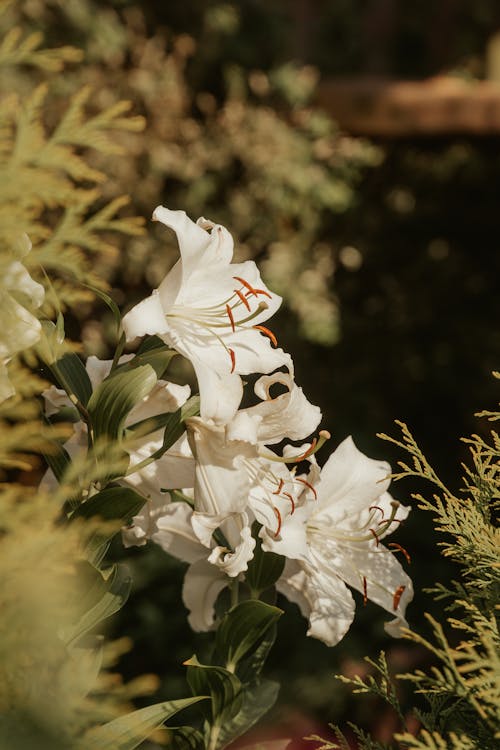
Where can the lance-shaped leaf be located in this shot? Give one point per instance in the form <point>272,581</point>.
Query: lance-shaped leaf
<point>127,732</point>
<point>116,396</point>
<point>250,667</point>
<point>173,423</point>
<point>118,504</point>
<point>57,458</point>
<point>243,628</point>
<point>112,503</point>
<point>223,687</point>
<point>116,590</point>
<point>186,738</point>
<point>257,700</point>
<point>158,357</point>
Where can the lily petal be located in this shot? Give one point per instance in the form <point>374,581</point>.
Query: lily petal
<point>324,600</point>
<point>147,317</point>
<point>203,583</point>
<point>221,484</point>
<point>175,533</point>
<point>350,481</point>
<point>288,415</point>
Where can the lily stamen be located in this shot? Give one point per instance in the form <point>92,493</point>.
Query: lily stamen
<point>280,487</point>
<point>375,535</point>
<point>287,494</point>
<point>308,485</point>
<point>230,316</point>
<point>278,516</point>
<point>267,333</point>
<point>250,288</point>
<point>365,592</point>
<point>399,548</point>
<point>392,518</point>
<point>233,359</point>
<point>316,444</point>
<point>243,299</point>
<point>397,597</point>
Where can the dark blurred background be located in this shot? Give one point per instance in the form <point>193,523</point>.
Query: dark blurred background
<point>352,148</point>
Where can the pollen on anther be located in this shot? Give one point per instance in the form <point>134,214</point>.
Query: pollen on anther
<point>374,535</point>
<point>268,333</point>
<point>243,299</point>
<point>287,494</point>
<point>377,507</point>
<point>308,485</point>
<point>230,316</point>
<point>399,548</point>
<point>365,592</point>
<point>251,289</point>
<point>397,597</point>
<point>280,487</point>
<point>278,516</point>
<point>233,359</point>
<point>308,452</point>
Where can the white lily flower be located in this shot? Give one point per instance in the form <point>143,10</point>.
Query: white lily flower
<point>334,540</point>
<point>186,534</point>
<point>19,328</point>
<point>211,311</point>
<point>231,477</point>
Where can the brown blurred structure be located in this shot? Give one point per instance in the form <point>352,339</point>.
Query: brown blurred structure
<point>442,105</point>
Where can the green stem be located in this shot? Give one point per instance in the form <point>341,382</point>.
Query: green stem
<point>118,352</point>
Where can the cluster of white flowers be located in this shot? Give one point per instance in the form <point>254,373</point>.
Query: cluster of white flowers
<point>327,523</point>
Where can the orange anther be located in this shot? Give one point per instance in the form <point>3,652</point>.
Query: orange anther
<point>399,548</point>
<point>251,289</point>
<point>280,487</point>
<point>268,333</point>
<point>278,516</point>
<point>397,597</point>
<point>287,494</point>
<point>233,359</point>
<point>230,316</point>
<point>365,592</point>
<point>243,299</point>
<point>308,485</point>
<point>375,535</point>
<point>308,452</point>
<point>377,507</point>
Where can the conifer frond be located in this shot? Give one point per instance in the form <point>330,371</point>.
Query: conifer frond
<point>435,741</point>
<point>17,48</point>
<point>380,685</point>
<point>421,467</point>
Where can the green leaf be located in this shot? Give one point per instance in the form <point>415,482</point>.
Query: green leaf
<point>242,628</point>
<point>250,667</point>
<point>186,738</point>
<point>116,396</point>
<point>109,301</point>
<point>111,504</point>
<point>58,460</point>
<point>173,422</point>
<point>257,700</point>
<point>265,567</point>
<point>71,375</point>
<point>115,588</point>
<point>127,732</point>
<point>120,503</point>
<point>223,687</point>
